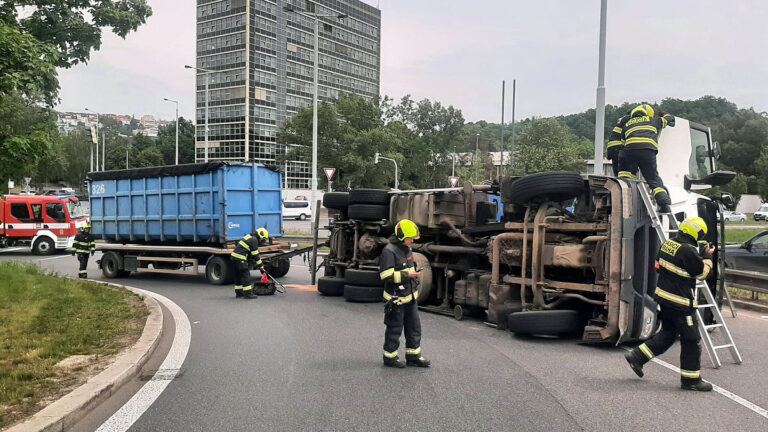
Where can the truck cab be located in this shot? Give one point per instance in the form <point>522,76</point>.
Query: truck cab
<point>45,223</point>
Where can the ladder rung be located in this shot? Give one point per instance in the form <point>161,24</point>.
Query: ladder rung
<point>712,326</point>
<point>722,346</point>
<point>707,305</point>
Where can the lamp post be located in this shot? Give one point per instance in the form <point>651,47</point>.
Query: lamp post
<point>378,156</point>
<point>97,142</point>
<point>207,79</point>
<point>600,108</point>
<point>316,17</point>
<point>177,126</point>
<point>477,153</point>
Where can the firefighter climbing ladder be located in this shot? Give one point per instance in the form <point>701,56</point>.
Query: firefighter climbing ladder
<point>701,286</point>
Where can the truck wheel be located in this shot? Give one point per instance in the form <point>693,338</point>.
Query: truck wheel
<point>369,196</point>
<point>336,200</point>
<point>43,246</point>
<point>280,267</point>
<point>368,212</point>
<point>218,270</point>
<point>554,186</point>
<point>363,294</point>
<point>547,322</point>
<point>110,266</point>
<point>330,286</point>
<point>425,285</point>
<point>363,277</point>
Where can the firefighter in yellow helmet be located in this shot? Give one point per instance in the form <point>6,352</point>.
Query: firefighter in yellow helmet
<point>640,134</point>
<point>247,251</point>
<point>680,263</point>
<point>83,246</point>
<point>398,271</point>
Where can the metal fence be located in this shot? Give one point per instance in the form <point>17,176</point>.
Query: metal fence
<point>747,280</point>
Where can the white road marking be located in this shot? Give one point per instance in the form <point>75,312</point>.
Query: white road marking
<point>730,395</point>
<point>53,258</point>
<point>127,415</point>
<point>13,249</point>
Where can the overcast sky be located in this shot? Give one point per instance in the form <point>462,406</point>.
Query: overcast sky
<point>456,52</point>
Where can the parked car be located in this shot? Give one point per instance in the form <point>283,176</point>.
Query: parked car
<point>762,213</point>
<point>296,209</point>
<point>752,255</point>
<point>735,216</point>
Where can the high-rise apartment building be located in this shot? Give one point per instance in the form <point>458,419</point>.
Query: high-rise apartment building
<point>260,60</point>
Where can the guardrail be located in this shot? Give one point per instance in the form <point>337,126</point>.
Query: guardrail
<point>747,280</point>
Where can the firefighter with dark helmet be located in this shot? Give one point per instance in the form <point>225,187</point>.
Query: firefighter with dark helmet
<point>681,262</point>
<point>83,246</point>
<point>640,134</point>
<point>246,252</point>
<point>398,271</point>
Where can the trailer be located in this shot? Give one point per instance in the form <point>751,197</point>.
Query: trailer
<point>177,219</point>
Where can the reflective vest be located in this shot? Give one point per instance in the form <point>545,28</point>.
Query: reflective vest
<point>680,265</point>
<point>642,132</point>
<point>395,263</point>
<point>83,243</point>
<point>247,248</point>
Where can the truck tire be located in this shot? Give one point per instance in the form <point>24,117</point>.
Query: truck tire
<point>368,212</point>
<point>554,186</point>
<point>218,271</point>
<point>336,200</point>
<point>425,285</point>
<point>369,196</point>
<point>110,266</point>
<point>547,322</point>
<point>363,294</point>
<point>506,183</point>
<point>279,268</point>
<point>363,278</point>
<point>330,286</point>
<point>44,246</point>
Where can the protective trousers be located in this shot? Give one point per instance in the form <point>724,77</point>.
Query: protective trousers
<point>676,323</point>
<point>645,159</point>
<point>242,276</point>
<point>399,317</point>
<point>83,258</point>
<point>613,156</point>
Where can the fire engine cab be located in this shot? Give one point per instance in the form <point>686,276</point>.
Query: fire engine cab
<point>46,223</point>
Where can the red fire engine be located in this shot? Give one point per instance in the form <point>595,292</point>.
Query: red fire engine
<point>46,223</point>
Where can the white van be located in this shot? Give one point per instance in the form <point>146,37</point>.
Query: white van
<point>296,210</point>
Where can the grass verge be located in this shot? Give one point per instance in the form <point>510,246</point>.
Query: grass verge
<point>741,235</point>
<point>45,319</point>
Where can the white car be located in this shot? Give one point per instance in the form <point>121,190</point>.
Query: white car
<point>762,213</point>
<point>735,217</point>
<point>296,209</point>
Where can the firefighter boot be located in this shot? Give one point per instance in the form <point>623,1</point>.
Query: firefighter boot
<point>238,292</point>
<point>393,362</point>
<point>634,364</point>
<point>699,385</point>
<point>248,294</point>
<point>417,360</point>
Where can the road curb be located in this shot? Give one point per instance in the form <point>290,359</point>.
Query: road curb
<point>743,304</point>
<point>73,406</point>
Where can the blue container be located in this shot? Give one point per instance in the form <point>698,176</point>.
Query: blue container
<point>208,203</point>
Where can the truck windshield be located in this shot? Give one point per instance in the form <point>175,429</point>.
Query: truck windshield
<point>699,165</point>
<point>75,209</point>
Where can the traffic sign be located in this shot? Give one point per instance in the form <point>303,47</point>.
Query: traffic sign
<point>329,172</point>
<point>454,181</point>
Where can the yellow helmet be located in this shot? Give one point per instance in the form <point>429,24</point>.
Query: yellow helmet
<point>262,233</point>
<point>406,229</point>
<point>86,226</point>
<point>694,227</point>
<point>643,109</point>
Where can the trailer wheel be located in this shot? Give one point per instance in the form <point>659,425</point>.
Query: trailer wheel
<point>555,186</point>
<point>425,281</point>
<point>363,294</point>
<point>369,196</point>
<point>368,212</point>
<point>218,271</point>
<point>330,286</point>
<point>43,246</point>
<point>110,266</point>
<point>280,267</point>
<point>546,322</point>
<point>336,200</point>
<point>363,278</point>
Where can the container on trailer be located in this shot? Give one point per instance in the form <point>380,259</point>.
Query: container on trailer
<point>205,203</point>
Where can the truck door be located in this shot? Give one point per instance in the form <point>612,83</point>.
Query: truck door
<point>37,216</point>
<point>55,219</point>
<point>19,222</point>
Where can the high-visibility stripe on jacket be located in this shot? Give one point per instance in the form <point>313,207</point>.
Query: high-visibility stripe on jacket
<point>615,138</point>
<point>642,131</point>
<point>247,249</point>
<point>395,265</point>
<point>83,243</point>
<point>680,265</point>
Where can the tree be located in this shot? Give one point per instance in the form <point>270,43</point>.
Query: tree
<point>546,145</point>
<point>57,33</point>
<point>26,135</point>
<point>166,142</point>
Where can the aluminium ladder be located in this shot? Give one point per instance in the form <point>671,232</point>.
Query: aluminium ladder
<point>701,286</point>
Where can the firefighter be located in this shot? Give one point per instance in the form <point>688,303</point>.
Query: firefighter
<point>82,246</point>
<point>640,134</point>
<point>616,143</point>
<point>398,271</point>
<point>247,251</point>
<point>680,263</point>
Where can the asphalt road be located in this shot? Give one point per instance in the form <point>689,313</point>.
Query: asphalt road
<point>301,361</point>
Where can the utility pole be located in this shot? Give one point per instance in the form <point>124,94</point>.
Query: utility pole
<point>177,126</point>
<point>503,93</point>
<point>512,142</point>
<point>477,155</point>
<point>600,109</point>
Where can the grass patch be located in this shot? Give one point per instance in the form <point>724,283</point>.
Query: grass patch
<point>46,318</point>
<point>741,235</point>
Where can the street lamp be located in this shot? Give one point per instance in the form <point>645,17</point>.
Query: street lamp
<point>103,150</point>
<point>378,156</point>
<point>207,79</point>
<point>477,155</point>
<point>316,17</point>
<point>177,125</point>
